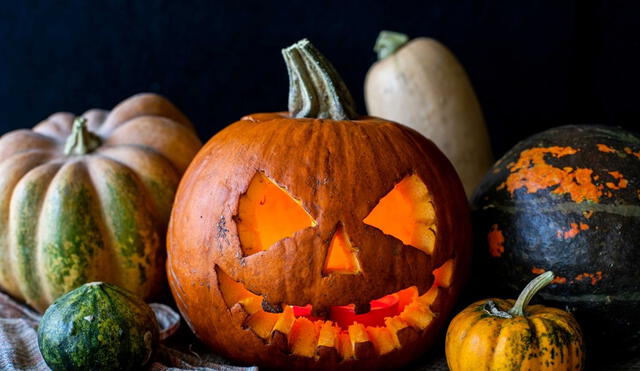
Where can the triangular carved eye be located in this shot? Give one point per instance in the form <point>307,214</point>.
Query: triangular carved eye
<point>267,213</point>
<point>341,256</point>
<point>407,213</point>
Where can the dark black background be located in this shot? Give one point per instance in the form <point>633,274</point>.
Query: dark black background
<point>534,64</point>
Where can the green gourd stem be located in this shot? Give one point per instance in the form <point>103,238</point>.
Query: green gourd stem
<point>315,87</point>
<point>388,42</point>
<point>529,291</point>
<point>81,141</point>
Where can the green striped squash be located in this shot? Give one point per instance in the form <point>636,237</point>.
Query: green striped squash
<point>98,326</point>
<point>88,199</point>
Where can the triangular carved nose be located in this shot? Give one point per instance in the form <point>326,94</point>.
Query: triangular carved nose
<point>342,256</point>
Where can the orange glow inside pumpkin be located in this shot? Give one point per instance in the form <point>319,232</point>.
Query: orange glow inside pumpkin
<point>407,213</point>
<point>267,214</point>
<point>345,315</point>
<point>344,329</point>
<point>341,256</point>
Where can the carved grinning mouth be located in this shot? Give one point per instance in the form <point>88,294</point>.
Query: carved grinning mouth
<point>392,321</point>
<point>268,212</point>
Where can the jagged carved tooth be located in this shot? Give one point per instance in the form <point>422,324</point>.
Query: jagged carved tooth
<point>345,347</point>
<point>262,323</point>
<point>303,337</point>
<point>417,315</point>
<point>382,339</point>
<point>362,346</point>
<point>328,342</point>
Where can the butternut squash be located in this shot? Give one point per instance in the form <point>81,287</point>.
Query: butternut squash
<point>419,83</point>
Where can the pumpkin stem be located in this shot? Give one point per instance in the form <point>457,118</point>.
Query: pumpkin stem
<point>81,141</point>
<point>315,87</point>
<point>388,42</point>
<point>491,308</point>
<point>529,291</point>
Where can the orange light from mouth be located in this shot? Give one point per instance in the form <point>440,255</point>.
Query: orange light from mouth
<point>383,327</point>
<point>345,315</point>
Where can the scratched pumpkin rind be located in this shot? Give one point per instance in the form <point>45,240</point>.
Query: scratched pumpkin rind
<point>269,202</point>
<point>568,200</point>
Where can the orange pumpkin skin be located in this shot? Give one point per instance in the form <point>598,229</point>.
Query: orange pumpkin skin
<point>488,335</point>
<point>338,170</point>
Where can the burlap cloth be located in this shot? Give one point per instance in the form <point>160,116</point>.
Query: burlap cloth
<point>179,349</point>
<point>19,342</point>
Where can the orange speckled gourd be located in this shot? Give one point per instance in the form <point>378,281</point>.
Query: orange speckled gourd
<point>508,335</point>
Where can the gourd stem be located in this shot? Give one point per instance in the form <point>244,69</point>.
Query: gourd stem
<point>529,291</point>
<point>315,87</point>
<point>388,42</point>
<point>81,141</point>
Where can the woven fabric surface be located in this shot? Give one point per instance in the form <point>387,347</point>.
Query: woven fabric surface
<point>179,350</point>
<point>19,342</point>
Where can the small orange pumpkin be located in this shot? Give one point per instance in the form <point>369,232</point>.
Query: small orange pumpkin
<point>487,335</point>
<point>318,238</point>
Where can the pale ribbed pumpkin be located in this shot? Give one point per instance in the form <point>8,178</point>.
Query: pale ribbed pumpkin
<point>88,199</point>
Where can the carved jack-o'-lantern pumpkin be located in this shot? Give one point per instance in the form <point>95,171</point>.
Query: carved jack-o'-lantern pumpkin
<point>317,238</point>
